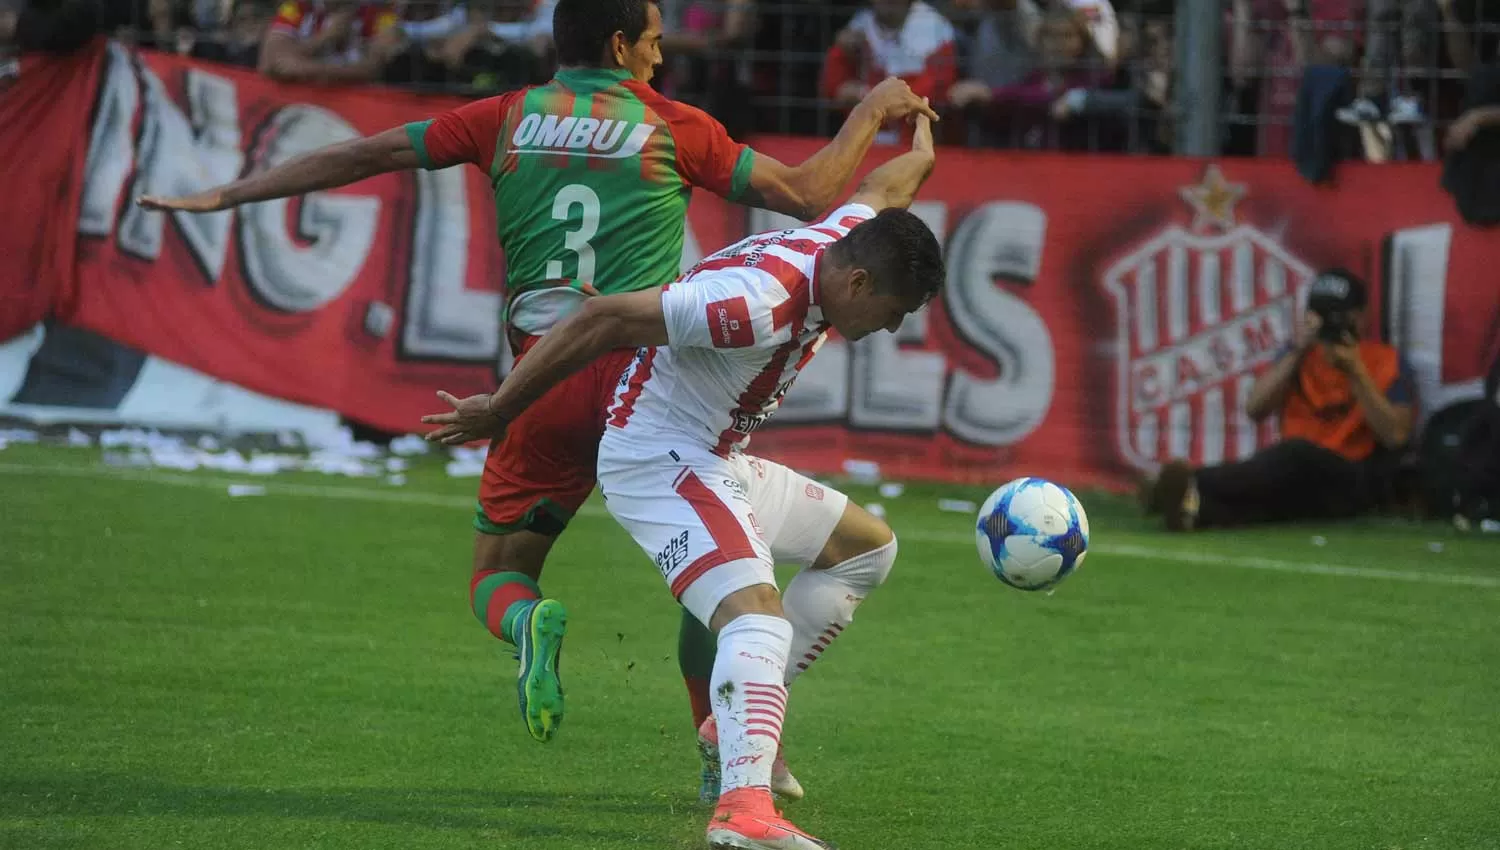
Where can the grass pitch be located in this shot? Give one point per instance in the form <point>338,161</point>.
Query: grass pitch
<point>179,668</point>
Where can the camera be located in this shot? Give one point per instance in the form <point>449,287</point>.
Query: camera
<point>1337,326</point>
<point>1335,296</point>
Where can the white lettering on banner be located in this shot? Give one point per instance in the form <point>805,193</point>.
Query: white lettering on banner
<point>338,230</point>
<point>1417,258</point>
<point>445,319</point>
<point>111,147</point>
<point>1001,240</point>
<point>214,109</point>
<point>884,382</point>
<point>183,152</point>
<point>179,156</point>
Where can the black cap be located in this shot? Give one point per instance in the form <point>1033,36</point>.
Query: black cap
<point>1336,289</point>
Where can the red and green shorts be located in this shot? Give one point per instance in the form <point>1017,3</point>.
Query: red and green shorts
<point>542,471</point>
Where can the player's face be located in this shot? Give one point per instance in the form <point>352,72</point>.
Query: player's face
<point>863,311</point>
<point>641,58</point>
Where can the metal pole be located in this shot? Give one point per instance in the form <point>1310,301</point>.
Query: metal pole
<point>1199,70</point>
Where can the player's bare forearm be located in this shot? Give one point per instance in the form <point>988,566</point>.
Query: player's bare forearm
<point>603,324</point>
<point>895,183</point>
<point>1271,387</point>
<point>813,186</point>
<point>326,168</point>
<point>1391,422</point>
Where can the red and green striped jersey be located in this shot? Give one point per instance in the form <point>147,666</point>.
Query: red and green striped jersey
<point>592,173</point>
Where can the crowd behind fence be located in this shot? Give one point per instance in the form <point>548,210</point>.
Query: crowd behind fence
<point>1071,75</point>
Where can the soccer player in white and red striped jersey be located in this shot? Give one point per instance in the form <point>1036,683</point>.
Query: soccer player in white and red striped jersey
<point>717,352</point>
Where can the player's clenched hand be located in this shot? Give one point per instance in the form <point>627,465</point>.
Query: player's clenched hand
<point>894,99</point>
<point>210,201</point>
<point>469,420</point>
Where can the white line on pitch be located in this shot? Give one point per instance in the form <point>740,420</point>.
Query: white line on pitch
<point>411,497</point>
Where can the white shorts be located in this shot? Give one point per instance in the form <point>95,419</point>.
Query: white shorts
<point>715,525</point>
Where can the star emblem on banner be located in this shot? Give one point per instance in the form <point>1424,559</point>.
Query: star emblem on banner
<point>1213,200</point>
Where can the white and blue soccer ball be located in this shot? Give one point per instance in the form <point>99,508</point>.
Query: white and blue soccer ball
<point>1032,533</point>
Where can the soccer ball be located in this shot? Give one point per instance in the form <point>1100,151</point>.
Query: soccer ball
<point>1032,533</point>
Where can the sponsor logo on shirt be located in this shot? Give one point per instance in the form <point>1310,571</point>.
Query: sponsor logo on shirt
<point>673,556</point>
<point>743,422</point>
<point>579,135</point>
<point>729,323</point>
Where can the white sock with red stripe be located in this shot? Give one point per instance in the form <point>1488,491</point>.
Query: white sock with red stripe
<point>749,698</point>
<point>820,603</point>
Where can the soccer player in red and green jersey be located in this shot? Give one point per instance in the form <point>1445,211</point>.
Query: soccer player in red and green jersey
<point>592,173</point>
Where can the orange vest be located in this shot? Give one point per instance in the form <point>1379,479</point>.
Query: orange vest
<point>1321,407</point>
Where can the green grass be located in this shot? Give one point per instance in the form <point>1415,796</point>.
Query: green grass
<point>179,668</point>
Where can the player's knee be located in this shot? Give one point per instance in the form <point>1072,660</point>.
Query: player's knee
<point>762,599</point>
<point>871,568</point>
<point>858,533</point>
<point>522,552</point>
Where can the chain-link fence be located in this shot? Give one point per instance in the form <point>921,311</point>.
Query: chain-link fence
<point>1136,76</point>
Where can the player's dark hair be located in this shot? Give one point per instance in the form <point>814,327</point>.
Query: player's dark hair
<point>582,29</point>
<point>899,251</point>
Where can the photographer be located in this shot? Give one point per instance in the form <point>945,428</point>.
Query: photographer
<point>1345,406</point>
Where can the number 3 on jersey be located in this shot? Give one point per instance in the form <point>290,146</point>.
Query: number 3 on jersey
<point>577,241</point>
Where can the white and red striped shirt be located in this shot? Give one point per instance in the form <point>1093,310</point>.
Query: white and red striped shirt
<point>740,326</point>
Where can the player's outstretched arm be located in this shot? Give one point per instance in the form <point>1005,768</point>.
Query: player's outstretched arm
<point>604,323</point>
<point>325,168</point>
<point>806,190</point>
<point>895,183</point>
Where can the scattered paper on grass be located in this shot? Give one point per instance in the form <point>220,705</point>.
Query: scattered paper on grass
<point>862,471</point>
<point>957,506</point>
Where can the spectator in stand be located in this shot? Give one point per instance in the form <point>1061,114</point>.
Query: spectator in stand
<point>893,38</point>
<point>1145,102</point>
<point>697,70</point>
<point>1023,110</point>
<point>1413,39</point>
<point>1103,29</point>
<point>165,25</point>
<point>1001,51</point>
<point>1271,42</point>
<point>484,45</point>
<point>1471,32</point>
<point>62,26</point>
<point>440,37</point>
<point>520,41</point>
<point>330,41</point>
<point>239,42</point>
<point>1471,172</point>
<point>10,67</point>
<point>1397,37</point>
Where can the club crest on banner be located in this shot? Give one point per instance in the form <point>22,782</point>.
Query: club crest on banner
<point>1199,311</point>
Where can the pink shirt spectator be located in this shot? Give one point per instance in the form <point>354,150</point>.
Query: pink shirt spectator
<point>1273,61</point>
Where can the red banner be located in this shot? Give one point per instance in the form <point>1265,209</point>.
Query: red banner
<point>1105,314</point>
<point>1101,314</point>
